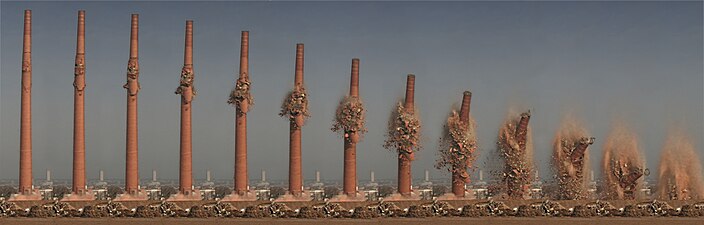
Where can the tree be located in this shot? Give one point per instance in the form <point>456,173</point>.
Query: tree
<point>222,191</point>
<point>167,191</point>
<point>385,191</point>
<point>113,191</point>
<point>7,191</point>
<point>439,190</point>
<point>60,190</point>
<point>331,191</point>
<point>277,191</point>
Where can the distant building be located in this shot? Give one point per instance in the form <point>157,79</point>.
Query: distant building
<point>101,188</point>
<point>262,189</point>
<point>425,189</point>
<point>46,189</point>
<point>371,189</point>
<point>317,189</point>
<point>207,189</point>
<point>154,188</point>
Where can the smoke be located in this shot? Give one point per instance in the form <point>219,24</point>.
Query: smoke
<point>570,159</point>
<point>622,164</point>
<point>680,171</point>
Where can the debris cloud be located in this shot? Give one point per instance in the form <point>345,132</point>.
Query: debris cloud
<point>680,171</point>
<point>570,159</point>
<point>622,164</point>
<point>515,147</point>
<point>458,145</point>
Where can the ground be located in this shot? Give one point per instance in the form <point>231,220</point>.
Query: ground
<point>403,221</point>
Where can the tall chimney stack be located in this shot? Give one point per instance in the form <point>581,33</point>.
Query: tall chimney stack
<point>350,143</point>
<point>79,84</point>
<point>187,92</point>
<point>243,84</point>
<point>132,86</point>
<point>26,186</point>
<point>101,175</point>
<point>295,175</point>
<point>371,175</point>
<point>458,182</point>
<point>263,175</point>
<point>404,163</point>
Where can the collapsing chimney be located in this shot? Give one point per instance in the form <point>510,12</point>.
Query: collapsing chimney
<point>512,143</point>
<point>569,160</point>
<point>403,136</point>
<point>242,99</point>
<point>458,145</point>
<point>187,92</point>
<point>295,108</point>
<point>349,121</point>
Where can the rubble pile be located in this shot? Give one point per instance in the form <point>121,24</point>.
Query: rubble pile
<point>473,211</point>
<point>197,211</point>
<point>513,144</point>
<point>309,213</point>
<point>603,208</point>
<point>333,210</point>
<point>528,211</point>
<point>457,146</point>
<point>350,118</point>
<point>693,210</point>
<point>116,209</point>
<point>38,211</point>
<point>422,211</point>
<point>220,209</point>
<point>295,104</point>
<point>583,211</point>
<point>570,160</point>
<point>657,208</point>
<point>439,208</point>
<point>240,94</point>
<point>9,209</point>
<point>169,209</point>
<point>404,132</point>
<point>549,208</point>
<point>633,211</point>
<point>90,211</point>
<point>145,212</point>
<point>388,209</point>
<point>62,209</point>
<point>252,212</point>
<point>364,213</point>
<point>280,210</point>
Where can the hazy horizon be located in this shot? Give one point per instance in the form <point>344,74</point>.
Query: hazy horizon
<point>641,63</point>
